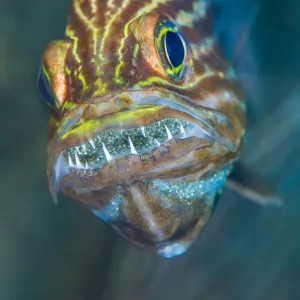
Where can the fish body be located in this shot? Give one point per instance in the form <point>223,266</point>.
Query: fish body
<point>147,120</point>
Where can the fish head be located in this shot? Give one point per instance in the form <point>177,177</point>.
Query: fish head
<point>148,118</point>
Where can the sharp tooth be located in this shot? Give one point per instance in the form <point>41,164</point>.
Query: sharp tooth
<point>182,129</point>
<point>168,133</point>
<point>143,131</point>
<point>78,162</point>
<point>86,165</point>
<point>78,150</point>
<point>108,156</point>
<point>92,144</point>
<point>157,142</point>
<point>84,148</point>
<point>133,151</point>
<point>71,164</point>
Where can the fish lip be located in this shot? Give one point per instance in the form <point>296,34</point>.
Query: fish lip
<point>207,116</point>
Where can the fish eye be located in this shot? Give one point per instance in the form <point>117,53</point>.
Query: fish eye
<point>174,48</point>
<point>45,89</point>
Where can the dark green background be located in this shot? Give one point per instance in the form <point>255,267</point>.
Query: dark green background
<point>248,252</point>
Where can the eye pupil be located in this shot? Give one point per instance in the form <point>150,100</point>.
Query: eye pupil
<point>175,49</point>
<point>43,88</point>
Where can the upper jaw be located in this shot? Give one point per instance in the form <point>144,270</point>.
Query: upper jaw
<point>143,118</point>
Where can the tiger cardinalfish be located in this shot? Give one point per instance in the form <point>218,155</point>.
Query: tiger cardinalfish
<point>147,117</point>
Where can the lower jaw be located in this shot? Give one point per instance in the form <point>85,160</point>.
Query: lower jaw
<point>160,215</point>
<point>160,203</point>
<point>163,215</point>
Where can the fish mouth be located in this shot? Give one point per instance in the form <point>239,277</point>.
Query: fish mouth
<point>117,143</point>
<point>155,135</point>
<point>149,163</point>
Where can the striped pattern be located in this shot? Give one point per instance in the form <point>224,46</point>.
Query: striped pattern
<point>113,49</point>
<point>103,42</point>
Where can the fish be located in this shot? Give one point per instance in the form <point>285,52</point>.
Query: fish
<point>148,118</point>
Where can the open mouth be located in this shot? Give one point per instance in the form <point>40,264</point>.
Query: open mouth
<point>156,136</point>
<point>148,163</point>
<point>117,143</point>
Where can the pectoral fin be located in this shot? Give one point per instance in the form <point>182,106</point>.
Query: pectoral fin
<point>250,186</point>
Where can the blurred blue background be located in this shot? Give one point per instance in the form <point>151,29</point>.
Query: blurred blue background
<point>247,252</point>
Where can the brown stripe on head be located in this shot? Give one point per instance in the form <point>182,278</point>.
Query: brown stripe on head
<point>99,32</point>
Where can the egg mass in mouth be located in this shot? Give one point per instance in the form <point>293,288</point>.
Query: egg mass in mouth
<point>117,143</point>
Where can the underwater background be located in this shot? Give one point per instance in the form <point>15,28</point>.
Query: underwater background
<point>47,251</point>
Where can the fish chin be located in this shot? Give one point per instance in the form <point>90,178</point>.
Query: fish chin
<point>151,169</point>
<point>163,215</point>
